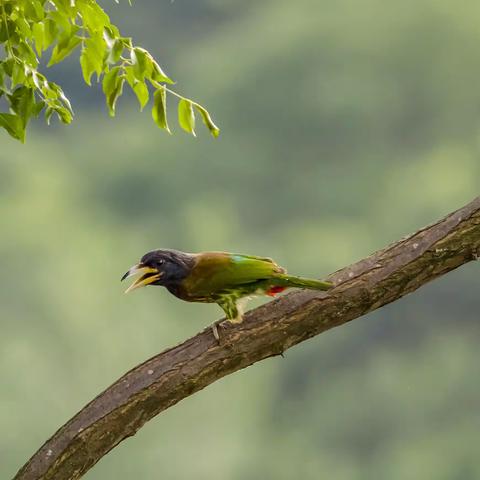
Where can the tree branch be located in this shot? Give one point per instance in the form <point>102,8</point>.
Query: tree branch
<point>269,330</point>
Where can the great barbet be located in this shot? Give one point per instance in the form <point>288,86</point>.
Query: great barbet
<point>217,277</point>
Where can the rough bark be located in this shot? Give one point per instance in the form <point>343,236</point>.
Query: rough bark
<point>178,372</point>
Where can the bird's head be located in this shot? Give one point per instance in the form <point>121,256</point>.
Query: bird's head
<point>160,267</point>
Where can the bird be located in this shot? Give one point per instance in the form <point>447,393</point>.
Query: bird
<point>228,279</point>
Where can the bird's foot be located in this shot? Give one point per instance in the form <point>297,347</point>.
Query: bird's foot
<point>218,323</point>
<point>215,326</point>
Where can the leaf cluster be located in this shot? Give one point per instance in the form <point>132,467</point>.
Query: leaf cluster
<point>30,28</point>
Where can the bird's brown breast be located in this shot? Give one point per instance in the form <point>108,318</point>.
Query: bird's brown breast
<point>183,294</point>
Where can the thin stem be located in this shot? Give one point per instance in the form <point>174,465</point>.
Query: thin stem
<point>174,93</point>
<point>8,44</point>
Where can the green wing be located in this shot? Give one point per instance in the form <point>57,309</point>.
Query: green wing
<point>217,271</point>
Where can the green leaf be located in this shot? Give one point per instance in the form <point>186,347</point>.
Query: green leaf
<point>130,76</point>
<point>25,52</point>
<point>87,66</point>
<point>18,73</point>
<point>34,10</point>
<point>37,108</point>
<point>48,91</point>
<point>115,52</point>
<point>115,95</point>
<point>65,101</point>
<point>63,113</point>
<point>38,80</point>
<point>159,110</point>
<point>62,18</point>
<point>48,114</point>
<point>22,102</point>
<point>64,48</point>
<point>109,80</point>
<point>92,57</point>
<point>23,27</point>
<point>186,116</point>
<point>127,42</point>
<point>112,31</point>
<point>57,102</point>
<point>3,31</point>
<point>38,31</point>
<point>159,75</point>
<point>114,45</point>
<point>50,32</point>
<point>7,66</point>
<point>141,91</point>
<point>93,17</point>
<point>142,64</point>
<point>13,125</point>
<point>113,87</point>
<point>207,120</point>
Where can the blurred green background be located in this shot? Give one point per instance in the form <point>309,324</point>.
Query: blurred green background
<point>344,127</point>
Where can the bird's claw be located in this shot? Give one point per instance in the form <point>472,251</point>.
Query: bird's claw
<point>215,326</point>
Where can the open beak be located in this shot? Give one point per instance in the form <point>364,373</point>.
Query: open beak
<point>148,275</point>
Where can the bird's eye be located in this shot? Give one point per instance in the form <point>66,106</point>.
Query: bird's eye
<point>160,262</point>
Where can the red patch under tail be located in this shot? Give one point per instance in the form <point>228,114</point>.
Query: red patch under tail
<point>271,292</point>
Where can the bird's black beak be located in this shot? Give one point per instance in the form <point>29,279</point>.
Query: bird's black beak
<point>148,275</point>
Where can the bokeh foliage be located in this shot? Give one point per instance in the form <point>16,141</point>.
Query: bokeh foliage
<point>30,28</point>
<point>361,126</point>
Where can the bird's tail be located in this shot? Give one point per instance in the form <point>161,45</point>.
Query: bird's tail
<point>286,280</point>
